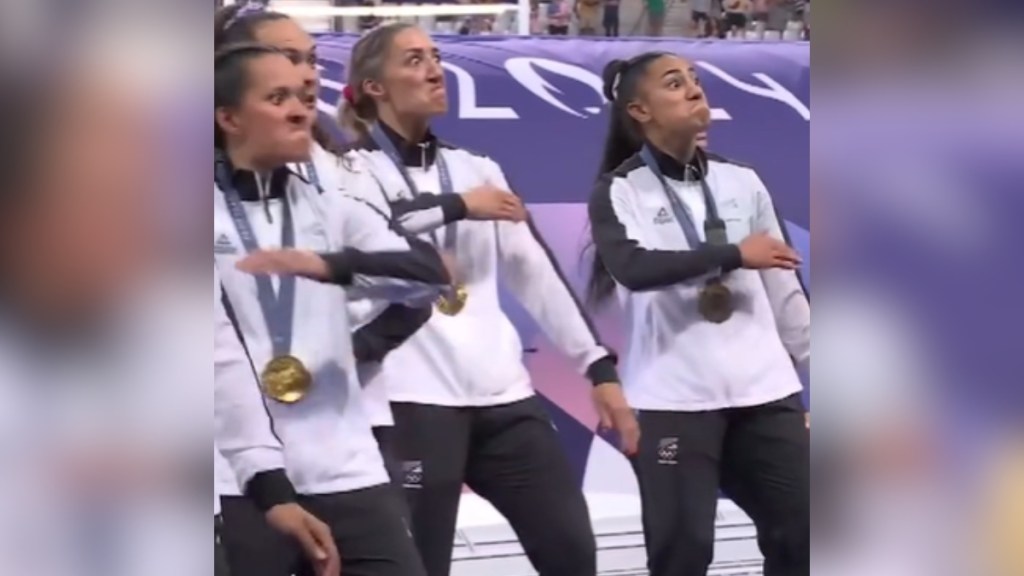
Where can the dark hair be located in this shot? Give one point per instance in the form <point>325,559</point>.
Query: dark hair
<point>232,28</point>
<point>231,78</point>
<point>621,78</point>
<point>367,63</point>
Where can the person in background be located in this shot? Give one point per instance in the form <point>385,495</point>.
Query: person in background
<point>700,18</point>
<point>296,332</point>
<point>610,18</point>
<point>760,13</point>
<point>559,17</point>
<point>464,409</point>
<point>588,14</point>
<point>736,12</point>
<point>536,26</point>
<point>718,316</point>
<point>369,21</point>
<point>655,17</point>
<point>804,13</point>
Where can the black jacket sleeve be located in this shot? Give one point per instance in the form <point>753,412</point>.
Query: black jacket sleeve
<point>381,259</point>
<point>270,488</point>
<point>639,269</point>
<point>428,212</point>
<point>396,324</point>
<point>420,264</point>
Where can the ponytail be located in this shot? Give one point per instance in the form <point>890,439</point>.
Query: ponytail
<point>356,118</point>
<point>357,111</point>
<point>622,142</point>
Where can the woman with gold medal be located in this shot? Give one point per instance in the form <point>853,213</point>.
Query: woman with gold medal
<point>296,330</point>
<point>243,439</point>
<point>463,404</point>
<point>691,244</point>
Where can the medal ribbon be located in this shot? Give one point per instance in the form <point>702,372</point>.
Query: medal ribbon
<point>311,173</point>
<point>714,227</point>
<point>443,175</point>
<point>278,309</point>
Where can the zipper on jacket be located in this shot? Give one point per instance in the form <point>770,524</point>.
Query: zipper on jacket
<point>263,185</point>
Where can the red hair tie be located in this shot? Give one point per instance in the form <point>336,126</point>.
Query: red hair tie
<point>349,95</point>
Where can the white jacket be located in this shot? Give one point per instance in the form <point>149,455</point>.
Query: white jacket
<point>677,361</point>
<point>475,358</point>
<point>328,444</point>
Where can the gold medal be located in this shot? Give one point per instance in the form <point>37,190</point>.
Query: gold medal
<point>286,379</point>
<point>452,304</point>
<point>715,302</point>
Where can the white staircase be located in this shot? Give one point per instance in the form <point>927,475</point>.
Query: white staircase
<point>677,19</point>
<point>633,18</point>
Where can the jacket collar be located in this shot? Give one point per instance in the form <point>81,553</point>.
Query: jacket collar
<point>248,183</point>
<point>694,170</point>
<point>419,154</point>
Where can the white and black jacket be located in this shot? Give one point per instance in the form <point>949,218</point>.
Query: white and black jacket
<point>243,434</point>
<point>676,360</point>
<point>379,330</point>
<point>327,441</point>
<point>378,326</point>
<point>475,358</point>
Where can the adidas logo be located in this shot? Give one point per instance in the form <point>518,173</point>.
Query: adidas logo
<point>223,245</point>
<point>663,217</point>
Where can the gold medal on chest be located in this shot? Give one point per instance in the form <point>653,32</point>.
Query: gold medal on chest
<point>716,302</point>
<point>454,302</point>
<point>286,379</point>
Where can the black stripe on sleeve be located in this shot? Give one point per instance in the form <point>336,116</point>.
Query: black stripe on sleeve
<point>396,324</point>
<point>789,242</point>
<point>233,318</point>
<point>639,269</point>
<point>421,263</point>
<point>268,488</point>
<point>415,244</point>
<point>603,369</point>
<point>565,281</point>
<point>452,206</point>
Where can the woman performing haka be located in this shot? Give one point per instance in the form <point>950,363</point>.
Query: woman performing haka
<point>717,318</point>
<point>296,331</point>
<point>379,327</point>
<point>243,437</point>
<point>464,408</point>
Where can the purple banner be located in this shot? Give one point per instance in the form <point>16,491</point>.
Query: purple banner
<point>535,105</point>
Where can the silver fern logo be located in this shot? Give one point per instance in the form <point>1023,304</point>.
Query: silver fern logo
<point>524,70</point>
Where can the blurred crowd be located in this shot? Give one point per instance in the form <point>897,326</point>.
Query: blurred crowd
<point>739,19</point>
<point>724,19</point>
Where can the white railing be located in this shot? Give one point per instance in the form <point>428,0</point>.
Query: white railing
<point>319,15</point>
